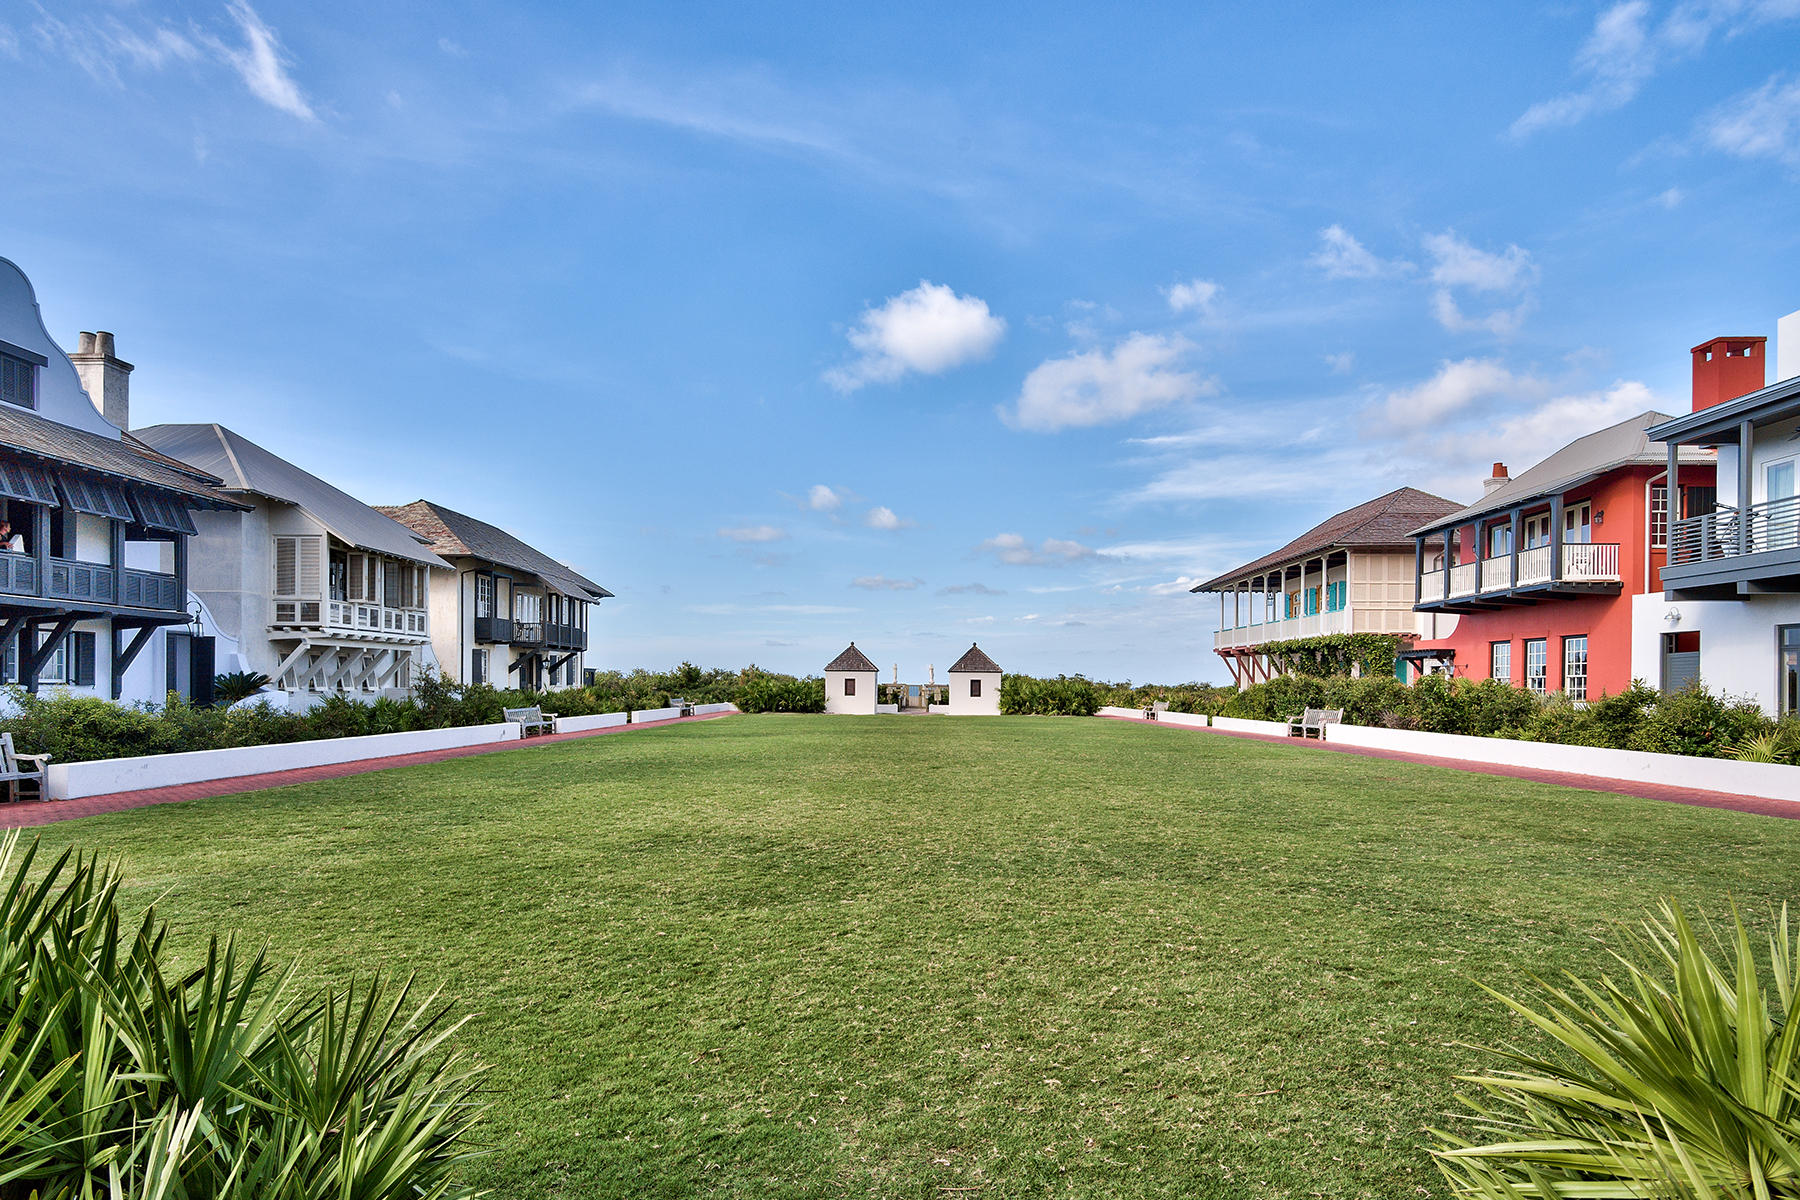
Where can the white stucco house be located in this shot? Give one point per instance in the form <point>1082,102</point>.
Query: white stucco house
<point>314,588</point>
<point>974,685</point>
<point>94,548</point>
<point>850,683</point>
<point>511,616</point>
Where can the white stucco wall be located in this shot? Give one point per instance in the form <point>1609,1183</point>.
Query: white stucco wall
<point>964,705</point>
<point>863,703</point>
<point>1737,640</point>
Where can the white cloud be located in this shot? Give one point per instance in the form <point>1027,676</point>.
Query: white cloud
<point>452,48</point>
<point>1527,437</point>
<point>1096,387</point>
<point>1764,123</point>
<point>928,330</point>
<point>970,589</point>
<point>883,517</point>
<point>1341,364</point>
<point>753,533</point>
<point>1013,550</point>
<point>1457,264</point>
<point>1456,387</point>
<point>1341,256</point>
<point>881,583</point>
<point>1626,49</point>
<point>821,498</point>
<point>1671,198</point>
<point>261,64</point>
<point>1195,295</point>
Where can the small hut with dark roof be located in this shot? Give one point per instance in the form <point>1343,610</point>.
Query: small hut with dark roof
<point>850,683</point>
<point>974,685</point>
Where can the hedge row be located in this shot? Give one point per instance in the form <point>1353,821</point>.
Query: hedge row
<point>84,728</point>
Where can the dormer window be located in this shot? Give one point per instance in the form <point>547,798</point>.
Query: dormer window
<point>18,380</point>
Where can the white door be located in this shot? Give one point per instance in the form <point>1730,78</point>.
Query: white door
<point>1578,522</point>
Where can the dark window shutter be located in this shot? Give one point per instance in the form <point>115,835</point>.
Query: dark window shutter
<point>1701,500</point>
<point>81,651</point>
<point>203,655</point>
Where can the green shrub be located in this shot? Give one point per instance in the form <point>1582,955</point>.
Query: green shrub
<point>1674,1076</point>
<point>78,728</point>
<point>781,694</point>
<point>1064,696</point>
<point>124,1073</point>
<point>1697,722</point>
<point>233,686</point>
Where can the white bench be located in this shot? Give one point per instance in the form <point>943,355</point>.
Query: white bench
<point>531,718</point>
<point>14,772</point>
<point>1313,721</point>
<point>1155,710</point>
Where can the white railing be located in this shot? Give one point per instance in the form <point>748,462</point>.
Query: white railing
<point>1315,625</point>
<point>1463,579</point>
<point>1431,585</point>
<point>1590,562</point>
<point>1496,573</point>
<point>1534,565</point>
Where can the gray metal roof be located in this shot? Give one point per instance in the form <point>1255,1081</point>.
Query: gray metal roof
<point>249,469</point>
<point>30,434</point>
<point>1719,423</point>
<point>1626,444</point>
<point>449,532</point>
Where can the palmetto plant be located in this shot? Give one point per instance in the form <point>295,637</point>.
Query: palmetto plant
<point>233,686</point>
<point>1678,1076</point>
<point>119,1079</point>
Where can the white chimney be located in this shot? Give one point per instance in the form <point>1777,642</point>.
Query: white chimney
<point>105,377</point>
<point>1498,479</point>
<point>1787,347</point>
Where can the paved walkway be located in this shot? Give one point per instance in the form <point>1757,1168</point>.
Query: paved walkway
<point>1592,783</point>
<point>25,813</point>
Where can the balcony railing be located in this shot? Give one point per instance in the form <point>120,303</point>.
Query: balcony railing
<point>1582,562</point>
<point>493,630</point>
<point>1315,625</point>
<point>93,583</point>
<point>350,616</point>
<point>527,633</point>
<point>1772,525</point>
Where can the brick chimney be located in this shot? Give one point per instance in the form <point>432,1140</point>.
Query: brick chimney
<point>105,377</point>
<point>1726,368</point>
<point>1498,479</point>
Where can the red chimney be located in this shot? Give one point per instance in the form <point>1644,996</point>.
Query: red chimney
<point>1726,368</point>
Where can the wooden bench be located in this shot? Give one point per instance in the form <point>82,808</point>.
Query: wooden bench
<point>21,769</point>
<point>1155,710</point>
<point>532,718</point>
<point>1313,721</point>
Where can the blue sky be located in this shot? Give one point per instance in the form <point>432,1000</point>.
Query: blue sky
<point>913,325</point>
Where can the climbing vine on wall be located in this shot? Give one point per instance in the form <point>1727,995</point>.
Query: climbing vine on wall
<point>1336,653</point>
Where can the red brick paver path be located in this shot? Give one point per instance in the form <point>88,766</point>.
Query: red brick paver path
<point>1592,783</point>
<point>17,816</point>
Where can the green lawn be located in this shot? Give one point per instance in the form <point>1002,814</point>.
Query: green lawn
<point>823,956</point>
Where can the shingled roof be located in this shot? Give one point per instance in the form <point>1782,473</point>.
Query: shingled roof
<point>975,662</point>
<point>122,458</point>
<point>1386,522</point>
<point>851,659</point>
<point>449,532</point>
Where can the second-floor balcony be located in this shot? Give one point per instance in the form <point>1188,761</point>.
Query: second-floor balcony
<point>87,583</point>
<point>1732,552</point>
<point>1584,566</point>
<point>352,617</point>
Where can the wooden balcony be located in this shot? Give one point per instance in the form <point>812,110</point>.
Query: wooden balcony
<point>85,583</point>
<point>362,619</point>
<point>1724,554</point>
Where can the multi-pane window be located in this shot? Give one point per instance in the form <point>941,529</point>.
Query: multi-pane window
<point>1659,515</point>
<point>1499,540</point>
<point>1537,665</point>
<point>18,381</point>
<point>1575,667</point>
<point>478,671</point>
<point>1500,661</point>
<point>484,595</point>
<point>1788,649</point>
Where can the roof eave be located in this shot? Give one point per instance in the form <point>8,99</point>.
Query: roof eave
<point>1783,396</point>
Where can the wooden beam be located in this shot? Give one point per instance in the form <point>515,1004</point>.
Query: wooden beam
<point>287,664</point>
<point>30,665</point>
<point>123,658</point>
<point>1746,439</point>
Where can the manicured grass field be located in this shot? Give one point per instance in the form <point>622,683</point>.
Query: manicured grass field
<point>939,957</point>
